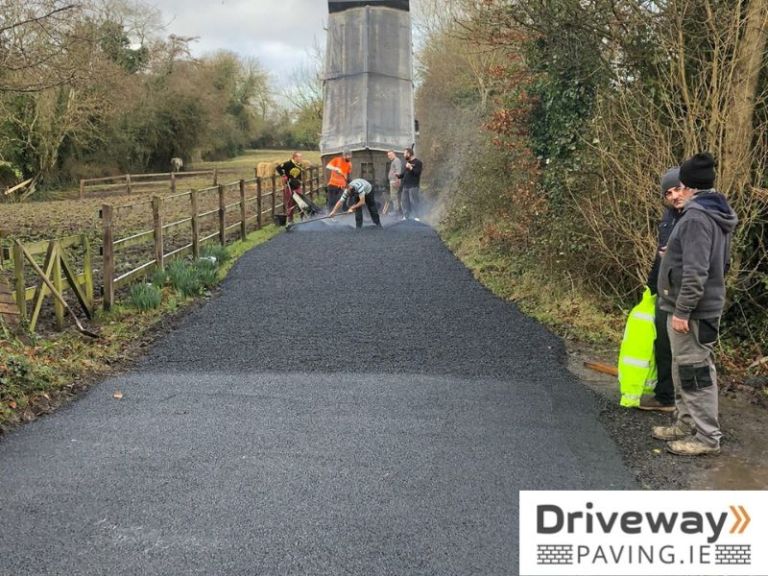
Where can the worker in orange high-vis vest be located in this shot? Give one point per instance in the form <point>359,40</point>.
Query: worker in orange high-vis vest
<point>341,170</point>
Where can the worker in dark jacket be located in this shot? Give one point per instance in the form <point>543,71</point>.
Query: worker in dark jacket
<point>692,290</point>
<point>290,171</point>
<point>411,177</point>
<point>663,398</point>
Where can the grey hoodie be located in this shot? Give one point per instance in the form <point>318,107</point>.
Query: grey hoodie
<point>692,276</point>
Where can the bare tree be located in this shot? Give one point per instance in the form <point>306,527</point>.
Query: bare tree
<point>35,37</point>
<point>305,84</point>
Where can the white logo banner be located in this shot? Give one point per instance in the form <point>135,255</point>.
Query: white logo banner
<point>697,533</point>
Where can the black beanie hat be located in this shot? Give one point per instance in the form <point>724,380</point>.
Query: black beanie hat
<point>698,171</point>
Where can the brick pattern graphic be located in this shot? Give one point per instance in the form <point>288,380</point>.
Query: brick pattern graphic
<point>552,554</point>
<point>733,554</point>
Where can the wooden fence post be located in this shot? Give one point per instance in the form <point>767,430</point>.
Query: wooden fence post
<point>108,257</point>
<point>82,188</point>
<point>195,226</point>
<point>128,182</point>
<point>258,203</point>
<point>55,250</point>
<point>215,177</point>
<point>157,217</point>
<point>173,183</point>
<point>87,269</point>
<point>222,216</point>
<point>274,194</point>
<point>21,287</point>
<point>243,230</point>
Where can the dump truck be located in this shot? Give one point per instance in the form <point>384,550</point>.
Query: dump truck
<point>368,85</point>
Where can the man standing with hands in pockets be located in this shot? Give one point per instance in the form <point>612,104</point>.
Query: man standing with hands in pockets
<point>692,290</point>
<point>410,177</point>
<point>395,169</point>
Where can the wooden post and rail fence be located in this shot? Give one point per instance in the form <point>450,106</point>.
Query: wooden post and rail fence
<point>136,183</point>
<point>257,202</point>
<point>251,193</point>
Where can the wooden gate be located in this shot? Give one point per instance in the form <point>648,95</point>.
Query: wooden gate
<point>57,266</point>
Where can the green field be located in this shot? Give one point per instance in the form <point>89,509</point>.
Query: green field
<point>252,157</point>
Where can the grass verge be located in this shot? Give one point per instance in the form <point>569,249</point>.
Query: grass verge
<point>588,329</point>
<point>566,310</point>
<point>39,373</point>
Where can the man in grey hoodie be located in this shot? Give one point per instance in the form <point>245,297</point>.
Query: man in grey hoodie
<point>692,290</point>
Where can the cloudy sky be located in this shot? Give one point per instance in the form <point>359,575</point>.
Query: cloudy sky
<point>280,33</point>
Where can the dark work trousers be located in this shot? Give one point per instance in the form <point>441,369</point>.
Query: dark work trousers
<point>370,201</point>
<point>410,202</point>
<point>665,389</point>
<point>334,193</point>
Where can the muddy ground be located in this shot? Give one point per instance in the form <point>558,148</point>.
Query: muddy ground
<point>742,464</point>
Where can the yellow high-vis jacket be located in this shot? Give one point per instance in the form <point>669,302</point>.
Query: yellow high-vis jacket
<point>637,363</point>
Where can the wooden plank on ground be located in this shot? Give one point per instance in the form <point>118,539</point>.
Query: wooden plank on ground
<point>601,367</point>
<point>17,187</point>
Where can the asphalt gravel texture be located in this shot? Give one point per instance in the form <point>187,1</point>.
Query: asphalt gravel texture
<point>351,402</point>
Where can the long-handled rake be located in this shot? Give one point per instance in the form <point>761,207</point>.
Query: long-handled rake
<point>289,227</point>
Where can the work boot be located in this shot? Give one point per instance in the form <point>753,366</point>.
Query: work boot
<point>669,433</point>
<point>692,447</point>
<point>650,403</point>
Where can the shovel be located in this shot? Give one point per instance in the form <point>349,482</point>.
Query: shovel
<point>289,227</point>
<point>55,292</point>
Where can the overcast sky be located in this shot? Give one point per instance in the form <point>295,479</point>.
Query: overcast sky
<point>280,33</point>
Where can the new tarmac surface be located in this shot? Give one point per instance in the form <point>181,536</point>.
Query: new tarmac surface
<point>351,402</point>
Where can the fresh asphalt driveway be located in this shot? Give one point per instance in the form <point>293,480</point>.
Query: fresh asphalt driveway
<point>349,403</point>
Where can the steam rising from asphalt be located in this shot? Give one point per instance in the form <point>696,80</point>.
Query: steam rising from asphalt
<point>427,215</point>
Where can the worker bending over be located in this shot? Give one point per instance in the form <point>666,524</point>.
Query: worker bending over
<point>360,192</point>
